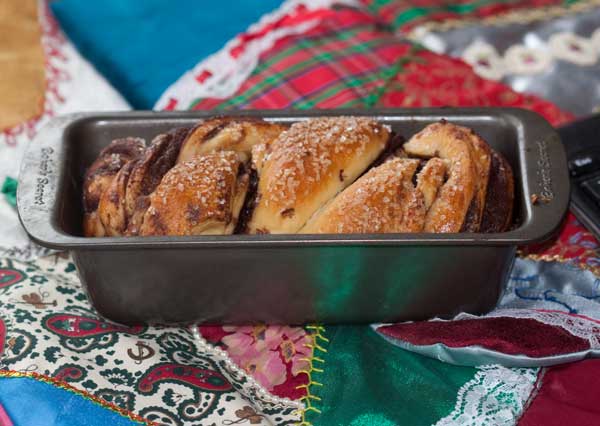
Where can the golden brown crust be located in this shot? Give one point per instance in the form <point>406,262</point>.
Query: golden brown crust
<point>482,157</point>
<point>200,197</point>
<point>92,226</point>
<point>430,179</point>
<point>384,200</point>
<point>309,164</point>
<point>304,179</point>
<point>158,159</point>
<point>228,134</point>
<point>499,203</point>
<point>448,142</point>
<point>135,219</point>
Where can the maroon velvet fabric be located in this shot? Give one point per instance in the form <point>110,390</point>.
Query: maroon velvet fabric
<point>513,336</point>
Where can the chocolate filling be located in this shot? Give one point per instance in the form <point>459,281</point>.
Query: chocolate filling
<point>162,157</point>
<point>500,197</point>
<point>394,143</point>
<point>214,131</point>
<point>471,222</point>
<point>249,203</point>
<point>415,177</point>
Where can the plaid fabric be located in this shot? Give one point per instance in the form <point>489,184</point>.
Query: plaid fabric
<point>337,64</point>
<point>405,15</point>
<point>351,60</point>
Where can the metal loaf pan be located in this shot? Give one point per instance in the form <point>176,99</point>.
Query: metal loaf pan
<point>290,279</point>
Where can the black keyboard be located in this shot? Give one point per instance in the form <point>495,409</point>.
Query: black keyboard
<point>592,187</point>
<point>582,143</point>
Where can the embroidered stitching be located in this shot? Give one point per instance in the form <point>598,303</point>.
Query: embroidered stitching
<point>262,396</point>
<point>318,340</point>
<point>558,258</point>
<point>519,16</point>
<point>58,383</point>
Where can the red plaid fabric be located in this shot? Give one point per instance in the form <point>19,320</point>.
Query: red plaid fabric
<point>338,63</point>
<point>350,60</point>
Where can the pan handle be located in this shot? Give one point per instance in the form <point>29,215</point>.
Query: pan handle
<point>39,181</point>
<point>546,178</point>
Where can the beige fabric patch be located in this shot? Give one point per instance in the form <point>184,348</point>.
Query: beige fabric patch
<point>22,76</point>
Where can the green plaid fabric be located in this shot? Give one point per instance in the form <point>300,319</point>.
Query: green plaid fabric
<point>338,64</point>
<point>352,60</point>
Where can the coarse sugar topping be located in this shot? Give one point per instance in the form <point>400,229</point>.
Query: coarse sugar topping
<point>310,151</point>
<point>207,181</point>
<point>382,200</point>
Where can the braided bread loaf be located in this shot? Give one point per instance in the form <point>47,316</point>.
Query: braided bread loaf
<point>318,176</point>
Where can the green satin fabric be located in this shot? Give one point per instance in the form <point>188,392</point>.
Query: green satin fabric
<point>367,381</point>
<point>342,280</point>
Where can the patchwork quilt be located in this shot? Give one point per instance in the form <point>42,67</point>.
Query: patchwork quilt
<point>530,361</point>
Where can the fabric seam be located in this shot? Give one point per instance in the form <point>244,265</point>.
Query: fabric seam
<point>265,397</point>
<point>63,385</point>
<point>311,400</point>
<point>560,259</point>
<point>519,16</point>
<point>534,393</point>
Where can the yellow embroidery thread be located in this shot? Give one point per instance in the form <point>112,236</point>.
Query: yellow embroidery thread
<point>558,258</point>
<point>318,340</point>
<point>519,16</point>
<point>60,384</point>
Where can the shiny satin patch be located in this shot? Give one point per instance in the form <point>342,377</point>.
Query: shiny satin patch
<point>549,313</point>
<point>557,59</point>
<point>49,405</point>
<point>367,382</point>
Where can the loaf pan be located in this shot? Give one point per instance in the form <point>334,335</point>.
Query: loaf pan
<point>290,279</point>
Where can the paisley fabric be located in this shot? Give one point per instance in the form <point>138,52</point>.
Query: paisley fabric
<point>50,332</point>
